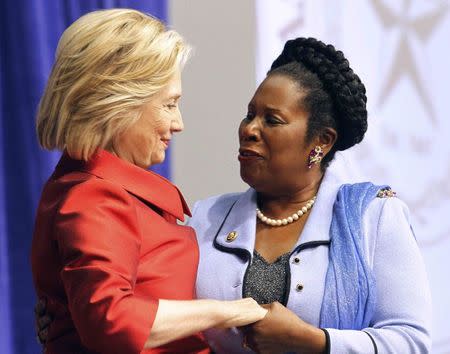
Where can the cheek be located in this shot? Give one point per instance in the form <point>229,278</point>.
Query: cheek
<point>149,133</point>
<point>161,127</point>
<point>290,148</point>
<point>284,143</point>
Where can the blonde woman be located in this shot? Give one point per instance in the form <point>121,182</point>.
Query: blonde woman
<point>115,268</point>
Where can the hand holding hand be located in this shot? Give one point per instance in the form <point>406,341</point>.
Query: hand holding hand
<point>242,312</point>
<point>282,331</point>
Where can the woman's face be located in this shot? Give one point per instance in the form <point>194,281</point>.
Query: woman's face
<point>144,143</point>
<point>273,153</point>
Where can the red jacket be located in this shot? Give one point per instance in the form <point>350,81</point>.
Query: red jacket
<point>106,247</point>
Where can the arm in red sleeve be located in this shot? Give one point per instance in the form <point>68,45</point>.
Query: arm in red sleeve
<point>99,239</point>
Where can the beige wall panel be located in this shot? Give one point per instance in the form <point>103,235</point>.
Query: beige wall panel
<point>218,82</point>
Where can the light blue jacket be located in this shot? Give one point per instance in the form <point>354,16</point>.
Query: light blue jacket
<point>402,319</point>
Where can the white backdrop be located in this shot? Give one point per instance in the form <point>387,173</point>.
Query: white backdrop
<point>401,51</point>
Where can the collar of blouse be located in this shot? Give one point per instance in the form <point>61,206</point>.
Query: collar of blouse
<point>144,184</point>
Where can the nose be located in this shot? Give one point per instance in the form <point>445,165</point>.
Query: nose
<point>249,130</point>
<point>177,124</point>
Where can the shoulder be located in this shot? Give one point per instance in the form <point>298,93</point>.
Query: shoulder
<point>386,224</point>
<point>376,200</point>
<point>207,212</point>
<point>387,207</point>
<point>96,209</point>
<point>93,195</point>
<point>219,202</point>
<point>382,205</point>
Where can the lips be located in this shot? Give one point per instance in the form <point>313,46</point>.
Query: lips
<point>246,154</point>
<point>166,142</point>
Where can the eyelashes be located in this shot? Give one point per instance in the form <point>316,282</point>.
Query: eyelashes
<point>268,119</point>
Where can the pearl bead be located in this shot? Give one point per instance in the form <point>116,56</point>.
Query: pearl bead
<point>304,209</point>
<point>299,213</point>
<point>284,221</point>
<point>290,219</point>
<point>295,216</point>
<point>278,222</point>
<point>264,219</point>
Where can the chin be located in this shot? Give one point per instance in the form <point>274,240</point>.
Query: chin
<point>258,180</point>
<point>159,158</point>
<point>249,176</point>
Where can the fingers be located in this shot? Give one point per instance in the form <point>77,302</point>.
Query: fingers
<point>43,322</point>
<point>248,343</point>
<point>264,313</point>
<point>245,328</point>
<point>41,307</point>
<point>43,336</point>
<point>245,343</point>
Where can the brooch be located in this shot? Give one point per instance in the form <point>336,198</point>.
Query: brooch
<point>386,193</point>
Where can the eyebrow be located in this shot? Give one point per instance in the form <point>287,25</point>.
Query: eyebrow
<point>272,109</point>
<point>175,96</point>
<point>267,108</point>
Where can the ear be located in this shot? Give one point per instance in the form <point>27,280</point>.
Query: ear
<point>326,139</point>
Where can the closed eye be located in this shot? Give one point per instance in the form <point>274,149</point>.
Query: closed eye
<point>272,120</point>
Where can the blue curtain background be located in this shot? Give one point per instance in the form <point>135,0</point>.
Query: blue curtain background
<point>29,33</point>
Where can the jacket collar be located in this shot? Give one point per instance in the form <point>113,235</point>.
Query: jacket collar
<point>242,218</point>
<point>317,227</point>
<point>146,185</point>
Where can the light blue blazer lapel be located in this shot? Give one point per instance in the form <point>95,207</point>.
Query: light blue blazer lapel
<point>241,219</point>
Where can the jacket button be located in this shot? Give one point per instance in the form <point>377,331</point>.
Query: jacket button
<point>296,260</point>
<point>231,236</point>
<point>299,287</point>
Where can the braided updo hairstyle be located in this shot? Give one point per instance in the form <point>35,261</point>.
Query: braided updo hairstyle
<point>334,95</point>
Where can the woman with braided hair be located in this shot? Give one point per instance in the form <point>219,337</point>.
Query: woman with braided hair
<point>336,264</point>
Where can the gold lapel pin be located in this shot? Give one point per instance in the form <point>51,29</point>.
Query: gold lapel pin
<point>231,236</point>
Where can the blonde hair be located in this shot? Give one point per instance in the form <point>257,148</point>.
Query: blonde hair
<point>108,64</point>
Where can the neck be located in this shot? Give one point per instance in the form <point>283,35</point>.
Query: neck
<point>278,205</point>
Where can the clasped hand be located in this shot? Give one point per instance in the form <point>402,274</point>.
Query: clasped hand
<point>282,331</point>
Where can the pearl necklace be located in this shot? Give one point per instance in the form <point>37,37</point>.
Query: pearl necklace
<point>290,219</point>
